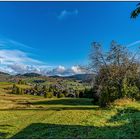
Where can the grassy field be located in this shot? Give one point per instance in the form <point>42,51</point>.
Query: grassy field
<point>37,117</point>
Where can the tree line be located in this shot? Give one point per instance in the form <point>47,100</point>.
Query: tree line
<point>117,73</point>
<point>53,90</point>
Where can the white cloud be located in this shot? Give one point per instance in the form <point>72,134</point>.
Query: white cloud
<point>76,69</point>
<point>15,56</point>
<point>61,68</point>
<point>21,68</point>
<point>12,44</point>
<point>15,61</point>
<point>18,44</point>
<point>6,70</point>
<point>62,71</point>
<point>133,43</point>
<point>66,13</point>
<point>18,68</point>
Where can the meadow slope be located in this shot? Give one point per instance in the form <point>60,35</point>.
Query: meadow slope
<point>24,116</point>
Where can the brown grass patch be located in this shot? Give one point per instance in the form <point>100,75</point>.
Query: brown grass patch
<point>123,102</point>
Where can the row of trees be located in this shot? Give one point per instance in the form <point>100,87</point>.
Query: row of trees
<point>117,73</point>
<point>21,82</point>
<point>51,91</point>
<point>17,90</point>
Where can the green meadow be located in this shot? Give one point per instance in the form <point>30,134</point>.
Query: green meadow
<point>27,116</point>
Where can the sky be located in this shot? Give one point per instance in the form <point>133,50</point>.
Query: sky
<point>54,38</point>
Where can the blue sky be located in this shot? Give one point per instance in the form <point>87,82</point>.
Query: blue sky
<point>43,35</point>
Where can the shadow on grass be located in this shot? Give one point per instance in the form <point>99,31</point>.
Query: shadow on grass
<point>4,127</point>
<point>130,114</point>
<point>67,104</point>
<point>3,134</point>
<point>52,108</point>
<point>128,130</point>
<point>70,101</point>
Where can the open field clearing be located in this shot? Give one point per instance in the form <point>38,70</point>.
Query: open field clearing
<point>36,117</point>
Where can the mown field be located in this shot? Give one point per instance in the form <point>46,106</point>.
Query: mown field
<point>26,116</point>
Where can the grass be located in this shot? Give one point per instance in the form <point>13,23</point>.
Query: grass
<point>26,116</point>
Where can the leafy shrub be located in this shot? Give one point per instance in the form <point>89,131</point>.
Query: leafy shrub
<point>48,95</point>
<point>77,93</point>
<point>104,99</point>
<point>88,93</point>
<point>131,91</point>
<point>21,82</point>
<point>81,94</point>
<point>61,95</point>
<point>14,89</point>
<point>96,97</point>
<point>44,88</point>
<point>17,90</point>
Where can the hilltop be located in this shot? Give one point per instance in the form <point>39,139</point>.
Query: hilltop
<point>80,77</point>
